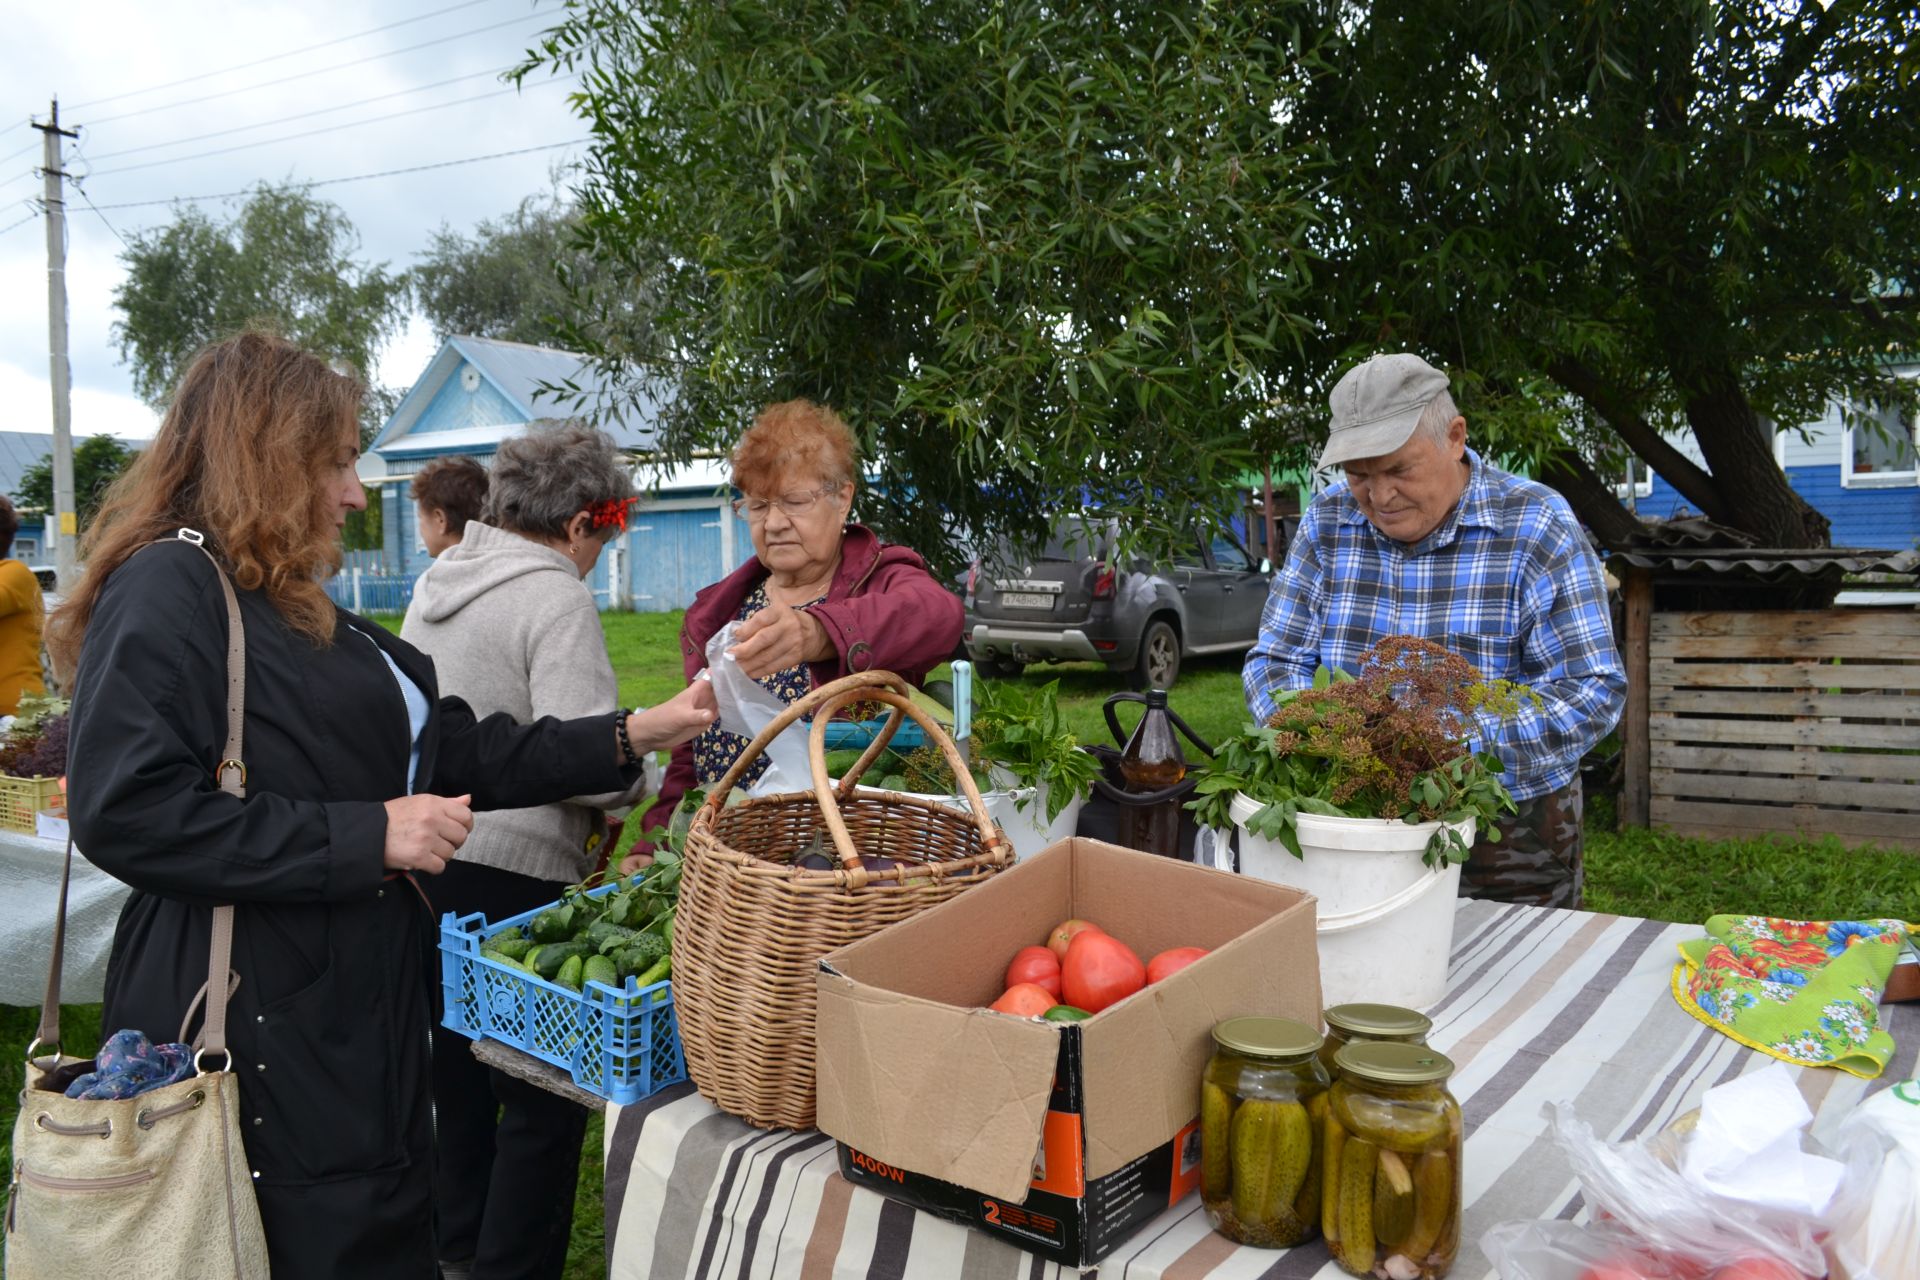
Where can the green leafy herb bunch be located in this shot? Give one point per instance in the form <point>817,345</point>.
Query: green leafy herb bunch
<point>1393,741</point>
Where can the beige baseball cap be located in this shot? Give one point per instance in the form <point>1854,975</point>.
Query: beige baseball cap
<point>1377,404</point>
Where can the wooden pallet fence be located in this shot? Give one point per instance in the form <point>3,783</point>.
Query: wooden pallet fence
<point>1801,724</point>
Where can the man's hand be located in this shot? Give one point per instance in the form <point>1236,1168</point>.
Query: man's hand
<point>677,720</point>
<point>775,639</point>
<point>424,832</point>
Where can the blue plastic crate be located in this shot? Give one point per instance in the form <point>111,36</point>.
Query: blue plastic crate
<point>842,734</point>
<point>621,1044</point>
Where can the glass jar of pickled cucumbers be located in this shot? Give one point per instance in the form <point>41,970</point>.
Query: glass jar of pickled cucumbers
<point>1391,1152</point>
<point>1263,1103</point>
<point>1354,1023</point>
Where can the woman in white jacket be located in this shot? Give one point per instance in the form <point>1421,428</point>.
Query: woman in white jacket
<point>512,627</point>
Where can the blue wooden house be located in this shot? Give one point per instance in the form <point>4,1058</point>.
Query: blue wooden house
<point>1867,482</point>
<point>475,393</point>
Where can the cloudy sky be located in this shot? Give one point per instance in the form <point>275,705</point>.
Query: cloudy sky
<point>127,75</point>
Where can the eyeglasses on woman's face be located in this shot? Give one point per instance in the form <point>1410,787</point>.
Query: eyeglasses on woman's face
<point>792,505</point>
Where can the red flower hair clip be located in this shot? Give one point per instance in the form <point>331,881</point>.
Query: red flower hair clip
<point>611,512</point>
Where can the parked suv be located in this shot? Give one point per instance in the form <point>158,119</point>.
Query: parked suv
<point>1073,603</point>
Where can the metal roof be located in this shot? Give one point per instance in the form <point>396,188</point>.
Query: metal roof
<point>460,440</point>
<point>522,373</point>
<point>1678,531</point>
<point>1774,565</point>
<point>1693,544</point>
<point>20,451</point>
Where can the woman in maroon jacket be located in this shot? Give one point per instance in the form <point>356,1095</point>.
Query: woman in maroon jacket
<point>820,599</point>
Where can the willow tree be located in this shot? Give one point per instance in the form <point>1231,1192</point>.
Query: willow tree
<point>1033,252</point>
<point>285,260</point>
<point>1624,220</point>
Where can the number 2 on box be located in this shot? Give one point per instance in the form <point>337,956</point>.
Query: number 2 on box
<point>993,1212</point>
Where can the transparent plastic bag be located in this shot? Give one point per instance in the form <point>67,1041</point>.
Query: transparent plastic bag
<point>1213,848</point>
<point>1877,1229</point>
<point>1651,1222</point>
<point>745,707</point>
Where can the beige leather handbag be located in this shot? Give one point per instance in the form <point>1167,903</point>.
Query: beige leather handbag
<point>155,1185</point>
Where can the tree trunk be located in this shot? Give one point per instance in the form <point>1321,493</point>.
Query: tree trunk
<point>1688,480</point>
<point>1592,500</point>
<point>1740,455</point>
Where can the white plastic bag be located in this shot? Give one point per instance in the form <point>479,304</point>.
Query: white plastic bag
<point>1650,1219</point>
<point>1213,848</point>
<point>1877,1236</point>
<point>30,886</point>
<point>746,707</point>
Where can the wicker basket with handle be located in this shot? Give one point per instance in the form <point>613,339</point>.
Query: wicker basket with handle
<point>752,926</point>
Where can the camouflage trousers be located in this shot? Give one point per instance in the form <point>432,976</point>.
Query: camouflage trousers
<point>1534,856</point>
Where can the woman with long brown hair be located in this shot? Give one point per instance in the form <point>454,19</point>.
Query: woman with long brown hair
<point>358,777</point>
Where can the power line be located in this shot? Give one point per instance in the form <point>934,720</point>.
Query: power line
<point>23,222</point>
<point>358,177</point>
<point>96,209</point>
<point>304,75</point>
<point>309,133</point>
<point>302,115</point>
<point>78,182</point>
<point>15,155</point>
<point>275,57</point>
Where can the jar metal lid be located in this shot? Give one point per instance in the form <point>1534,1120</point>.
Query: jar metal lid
<point>1267,1037</point>
<point>1387,1062</point>
<point>1378,1020</point>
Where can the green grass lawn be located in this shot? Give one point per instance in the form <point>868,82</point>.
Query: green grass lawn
<point>1636,873</point>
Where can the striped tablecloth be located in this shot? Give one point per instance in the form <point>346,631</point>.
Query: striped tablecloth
<point>1541,1005</point>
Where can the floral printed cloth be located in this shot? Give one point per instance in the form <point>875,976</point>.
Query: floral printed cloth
<point>128,1064</point>
<point>1803,991</point>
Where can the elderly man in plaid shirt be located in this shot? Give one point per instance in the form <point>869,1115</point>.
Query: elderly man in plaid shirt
<point>1426,538</point>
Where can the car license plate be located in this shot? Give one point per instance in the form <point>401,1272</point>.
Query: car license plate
<point>1026,600</point>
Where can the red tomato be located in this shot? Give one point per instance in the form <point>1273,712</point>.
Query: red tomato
<point>1063,934</point>
<point>1099,971</point>
<point>1613,1269</point>
<point>1682,1265</point>
<point>1757,1269</point>
<point>1037,965</point>
<point>1025,1000</point>
<point>1170,962</point>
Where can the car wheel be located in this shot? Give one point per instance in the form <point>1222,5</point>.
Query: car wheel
<point>1158,665</point>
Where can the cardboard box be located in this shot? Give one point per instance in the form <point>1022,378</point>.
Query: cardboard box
<point>1063,1137</point>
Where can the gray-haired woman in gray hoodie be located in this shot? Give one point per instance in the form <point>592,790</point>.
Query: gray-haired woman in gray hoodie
<point>512,627</point>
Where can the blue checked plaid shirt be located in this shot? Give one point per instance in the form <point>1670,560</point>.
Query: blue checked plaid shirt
<point>1507,581</point>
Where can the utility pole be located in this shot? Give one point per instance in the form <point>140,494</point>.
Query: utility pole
<point>63,520</point>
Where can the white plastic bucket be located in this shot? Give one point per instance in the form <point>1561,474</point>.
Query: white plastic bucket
<point>1385,921</point>
<point>1028,828</point>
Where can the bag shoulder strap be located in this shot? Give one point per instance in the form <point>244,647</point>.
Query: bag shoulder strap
<point>231,775</point>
